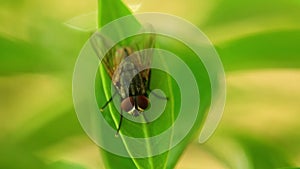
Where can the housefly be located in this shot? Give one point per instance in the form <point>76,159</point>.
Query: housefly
<point>129,71</point>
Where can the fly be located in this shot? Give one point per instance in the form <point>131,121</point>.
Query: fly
<point>130,83</point>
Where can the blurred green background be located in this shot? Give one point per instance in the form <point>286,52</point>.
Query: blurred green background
<point>258,42</point>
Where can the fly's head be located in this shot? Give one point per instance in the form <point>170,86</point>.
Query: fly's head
<point>135,105</point>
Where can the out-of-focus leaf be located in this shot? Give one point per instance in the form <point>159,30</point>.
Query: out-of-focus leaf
<point>26,58</point>
<point>233,20</point>
<point>265,50</point>
<point>228,12</point>
<point>243,151</point>
<point>263,154</point>
<point>50,49</point>
<point>16,157</point>
<point>85,22</point>
<point>64,126</point>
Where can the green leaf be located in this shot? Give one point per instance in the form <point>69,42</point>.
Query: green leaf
<point>110,10</point>
<point>163,81</point>
<point>243,151</point>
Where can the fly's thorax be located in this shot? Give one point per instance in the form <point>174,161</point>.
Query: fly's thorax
<point>128,80</point>
<point>123,78</point>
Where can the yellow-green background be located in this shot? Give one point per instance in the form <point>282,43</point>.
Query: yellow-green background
<point>258,42</point>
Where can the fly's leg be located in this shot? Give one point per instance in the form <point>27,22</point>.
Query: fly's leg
<point>120,123</point>
<point>103,107</point>
<point>158,96</point>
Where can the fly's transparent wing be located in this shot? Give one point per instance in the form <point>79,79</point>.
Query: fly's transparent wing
<point>146,42</point>
<point>110,60</point>
<point>117,53</point>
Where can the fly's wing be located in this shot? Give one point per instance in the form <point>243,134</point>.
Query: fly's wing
<point>143,60</point>
<point>116,54</point>
<point>110,61</point>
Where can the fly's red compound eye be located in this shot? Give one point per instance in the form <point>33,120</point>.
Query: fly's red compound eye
<point>142,102</point>
<point>127,104</point>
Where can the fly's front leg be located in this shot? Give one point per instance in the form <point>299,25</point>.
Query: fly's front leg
<point>103,107</point>
<point>120,123</point>
<point>156,95</point>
